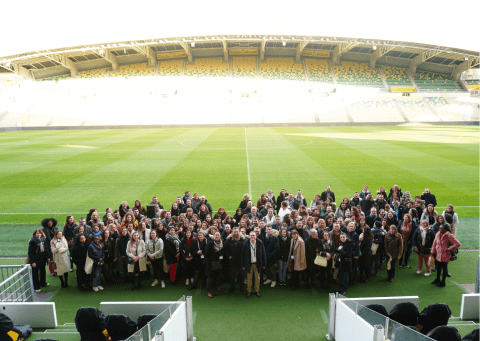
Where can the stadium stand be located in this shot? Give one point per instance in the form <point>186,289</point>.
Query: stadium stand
<point>435,82</point>
<point>170,68</point>
<point>133,70</point>
<point>473,84</point>
<point>352,73</point>
<point>374,110</point>
<point>281,68</point>
<point>244,67</point>
<point>443,108</point>
<point>416,110</point>
<point>318,70</point>
<point>56,78</point>
<point>93,74</point>
<point>396,76</point>
<point>208,67</point>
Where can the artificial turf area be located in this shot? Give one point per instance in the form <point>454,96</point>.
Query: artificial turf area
<point>55,173</point>
<point>280,313</point>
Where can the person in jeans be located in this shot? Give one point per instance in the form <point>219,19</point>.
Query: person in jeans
<point>39,255</point>
<point>443,246</point>
<point>254,260</point>
<point>393,250</point>
<point>155,255</point>
<point>97,254</point>
<point>284,241</point>
<point>272,246</point>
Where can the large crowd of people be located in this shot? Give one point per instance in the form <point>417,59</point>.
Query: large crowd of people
<point>279,240</point>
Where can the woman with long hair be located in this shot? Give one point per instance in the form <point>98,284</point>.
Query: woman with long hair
<point>209,219</point>
<point>69,234</point>
<point>407,229</point>
<point>172,252</point>
<point>450,210</point>
<point>109,248</point>
<point>391,219</point>
<point>79,256</point>
<point>121,258</point>
<point>140,208</point>
<point>443,246</point>
<point>214,257</point>
<point>325,249</point>
<point>422,242</point>
<point>198,252</point>
<point>128,218</point>
<point>97,254</point>
<point>59,248</point>
<point>175,210</point>
<point>393,250</point>
<point>238,216</point>
<point>245,200</point>
<point>261,202</point>
<point>429,214</point>
<point>364,262</point>
<point>154,248</point>
<point>39,256</point>
<point>186,248</point>
<point>136,259</point>
<point>95,219</point>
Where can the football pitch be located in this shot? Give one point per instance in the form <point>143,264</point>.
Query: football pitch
<point>54,173</point>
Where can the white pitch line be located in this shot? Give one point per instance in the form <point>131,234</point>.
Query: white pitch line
<point>248,165</point>
<point>324,316</point>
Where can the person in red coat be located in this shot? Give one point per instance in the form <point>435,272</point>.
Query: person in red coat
<point>443,246</point>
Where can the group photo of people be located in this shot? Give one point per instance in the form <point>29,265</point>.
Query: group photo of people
<point>325,243</point>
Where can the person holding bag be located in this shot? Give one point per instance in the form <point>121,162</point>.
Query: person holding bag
<point>155,256</point>
<point>79,256</point>
<point>68,233</point>
<point>311,247</point>
<point>214,254</point>
<point>296,259</point>
<point>198,251</point>
<point>366,240</point>
<point>325,249</point>
<point>443,246</point>
<point>393,250</point>
<point>172,252</point>
<point>422,242</point>
<point>38,256</point>
<point>136,259</point>
<point>59,248</point>
<point>97,254</point>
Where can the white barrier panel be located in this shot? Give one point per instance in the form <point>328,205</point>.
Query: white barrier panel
<point>175,329</point>
<point>134,309</point>
<point>387,302</point>
<point>36,314</point>
<point>349,326</point>
<point>469,309</point>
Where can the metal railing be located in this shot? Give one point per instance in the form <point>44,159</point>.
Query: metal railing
<point>16,284</point>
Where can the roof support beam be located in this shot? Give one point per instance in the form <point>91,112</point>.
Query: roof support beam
<point>262,50</point>
<point>65,62</point>
<point>422,57</point>
<point>466,65</point>
<point>378,53</point>
<point>299,50</point>
<point>148,52</point>
<point>188,50</point>
<point>341,49</point>
<point>19,70</point>
<point>110,57</point>
<point>225,50</point>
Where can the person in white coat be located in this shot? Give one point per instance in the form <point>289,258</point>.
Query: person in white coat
<point>59,247</point>
<point>449,210</point>
<point>136,259</point>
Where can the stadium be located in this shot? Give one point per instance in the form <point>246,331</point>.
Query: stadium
<point>222,109</point>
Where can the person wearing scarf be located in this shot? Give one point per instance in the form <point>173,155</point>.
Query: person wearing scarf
<point>172,252</point>
<point>59,248</point>
<point>79,257</point>
<point>39,255</point>
<point>422,241</point>
<point>214,257</point>
<point>97,254</point>
<point>449,210</point>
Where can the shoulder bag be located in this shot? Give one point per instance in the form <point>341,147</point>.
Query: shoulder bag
<point>321,261</point>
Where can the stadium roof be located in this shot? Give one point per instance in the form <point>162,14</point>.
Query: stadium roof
<point>51,35</point>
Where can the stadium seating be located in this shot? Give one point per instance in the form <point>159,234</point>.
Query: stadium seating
<point>208,67</point>
<point>352,73</point>
<point>170,68</point>
<point>473,84</point>
<point>244,67</point>
<point>56,78</point>
<point>133,70</point>
<point>374,110</point>
<point>93,74</point>
<point>434,82</point>
<point>396,76</point>
<point>281,68</point>
<point>416,110</point>
<point>318,70</point>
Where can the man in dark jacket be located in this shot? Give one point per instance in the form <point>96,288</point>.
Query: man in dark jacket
<point>327,193</point>
<point>299,200</point>
<point>353,237</point>
<point>281,198</point>
<point>254,260</point>
<point>272,247</point>
<point>204,201</point>
<point>370,219</point>
<point>429,198</point>
<point>189,205</point>
<point>380,202</point>
<point>233,253</point>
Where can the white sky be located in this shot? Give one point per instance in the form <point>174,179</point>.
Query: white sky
<point>28,25</point>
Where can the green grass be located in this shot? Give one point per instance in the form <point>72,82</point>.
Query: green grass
<point>53,173</point>
<point>279,313</point>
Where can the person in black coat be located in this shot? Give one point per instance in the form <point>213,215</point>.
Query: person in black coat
<point>214,255</point>
<point>198,251</point>
<point>49,230</point>
<point>39,255</point>
<point>97,253</point>
<point>121,258</point>
<point>272,247</point>
<point>422,242</point>
<point>254,260</point>
<point>366,240</point>
<point>79,256</point>
<point>327,193</point>
<point>311,247</point>
<point>326,249</point>
<point>90,323</point>
<point>429,198</point>
<point>378,238</point>
<point>284,243</point>
<point>233,254</point>
<point>281,198</point>
<point>346,250</point>
<point>367,204</point>
<point>186,254</point>
<point>353,237</point>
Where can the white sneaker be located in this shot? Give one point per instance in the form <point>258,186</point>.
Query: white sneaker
<point>244,281</point>
<point>48,284</point>
<point>419,272</point>
<point>38,290</point>
<point>273,284</point>
<point>95,289</point>
<point>100,287</point>
<point>187,282</point>
<point>267,281</point>
<point>155,283</point>
<point>427,273</point>
<point>163,284</point>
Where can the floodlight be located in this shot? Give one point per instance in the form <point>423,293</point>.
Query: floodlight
<point>192,44</point>
<point>125,50</point>
<point>284,43</point>
<point>101,52</point>
<point>466,58</point>
<point>7,64</point>
<point>374,47</point>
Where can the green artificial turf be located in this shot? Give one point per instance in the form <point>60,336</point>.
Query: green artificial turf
<point>54,173</point>
<point>280,313</point>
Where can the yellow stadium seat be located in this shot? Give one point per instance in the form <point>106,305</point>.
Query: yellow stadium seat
<point>318,70</point>
<point>208,67</point>
<point>352,73</point>
<point>281,68</point>
<point>170,68</point>
<point>244,67</point>
<point>133,70</point>
<point>93,74</point>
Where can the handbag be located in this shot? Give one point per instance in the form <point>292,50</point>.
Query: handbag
<point>321,261</point>
<point>130,261</point>
<point>453,255</point>
<point>99,264</point>
<point>52,266</point>
<point>88,265</point>
<point>217,265</point>
<point>166,267</point>
<point>431,261</point>
<point>389,264</point>
<point>27,260</point>
<point>290,265</point>
<point>374,248</point>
